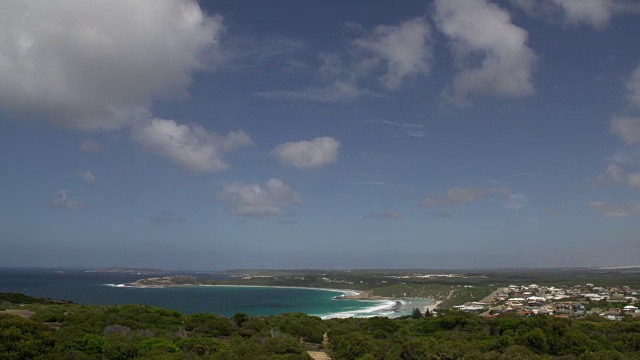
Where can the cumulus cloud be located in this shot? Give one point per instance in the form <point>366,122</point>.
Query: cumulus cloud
<point>626,128</point>
<point>596,13</point>
<point>90,146</point>
<point>190,146</point>
<point>464,195</point>
<point>393,54</point>
<point>258,201</point>
<point>481,30</point>
<point>168,217</point>
<point>98,65</point>
<point>616,210</point>
<point>87,176</point>
<point>592,12</point>
<point>614,173</point>
<point>617,175</point>
<point>318,152</point>
<point>404,50</point>
<point>62,201</point>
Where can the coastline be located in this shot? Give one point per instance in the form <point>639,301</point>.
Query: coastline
<point>432,307</point>
<point>345,292</point>
<point>378,305</point>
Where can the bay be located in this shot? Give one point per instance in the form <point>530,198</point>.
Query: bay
<point>96,288</point>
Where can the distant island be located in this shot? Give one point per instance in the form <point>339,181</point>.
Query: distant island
<point>166,281</point>
<point>140,271</point>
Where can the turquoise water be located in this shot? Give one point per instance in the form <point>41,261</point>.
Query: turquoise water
<point>97,288</point>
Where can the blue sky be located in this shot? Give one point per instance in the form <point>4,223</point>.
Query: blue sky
<point>329,134</point>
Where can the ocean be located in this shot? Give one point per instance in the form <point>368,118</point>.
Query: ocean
<point>92,288</point>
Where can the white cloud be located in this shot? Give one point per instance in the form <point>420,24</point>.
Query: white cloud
<point>339,91</point>
<point>394,53</point>
<point>613,173</point>
<point>592,12</point>
<point>616,174</point>
<point>191,146</point>
<point>318,152</point>
<point>633,180</point>
<point>415,133</point>
<point>408,129</point>
<point>405,50</point>
<point>62,201</point>
<point>481,30</point>
<point>633,87</point>
<point>616,210</point>
<point>629,158</point>
<point>87,176</point>
<point>92,146</point>
<point>339,84</point>
<point>515,201</point>
<point>255,200</point>
<point>596,13</point>
<point>464,195</point>
<point>626,128</point>
<point>98,65</point>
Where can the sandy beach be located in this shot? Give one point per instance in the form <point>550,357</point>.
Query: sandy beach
<point>432,306</point>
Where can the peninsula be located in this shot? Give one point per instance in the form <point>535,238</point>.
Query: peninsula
<point>448,289</point>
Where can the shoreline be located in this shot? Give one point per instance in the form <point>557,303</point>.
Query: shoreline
<point>432,307</point>
<point>345,292</point>
<point>348,294</point>
<point>383,305</point>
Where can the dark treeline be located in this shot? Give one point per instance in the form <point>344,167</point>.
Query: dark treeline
<point>69,331</point>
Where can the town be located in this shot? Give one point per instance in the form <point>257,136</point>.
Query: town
<point>613,303</point>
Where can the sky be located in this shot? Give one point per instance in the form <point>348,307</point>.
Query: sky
<point>216,135</point>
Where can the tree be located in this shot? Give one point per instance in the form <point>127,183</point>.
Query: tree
<point>23,339</point>
<point>203,346</point>
<point>416,314</point>
<point>208,325</point>
<point>240,318</point>
<point>157,346</point>
<point>351,346</point>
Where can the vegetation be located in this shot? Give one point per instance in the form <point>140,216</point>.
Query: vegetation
<point>70,331</point>
<point>451,289</point>
<point>13,298</point>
